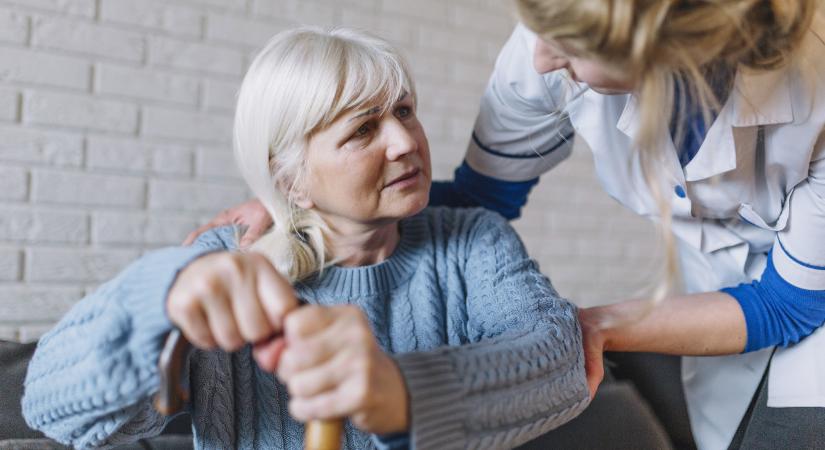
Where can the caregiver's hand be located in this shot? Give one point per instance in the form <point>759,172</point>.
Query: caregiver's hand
<point>334,368</point>
<point>228,299</point>
<point>594,345</point>
<point>251,213</point>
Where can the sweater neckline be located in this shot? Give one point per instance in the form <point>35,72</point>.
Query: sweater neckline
<point>351,282</point>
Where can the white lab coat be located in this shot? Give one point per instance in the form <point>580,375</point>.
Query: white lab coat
<point>757,179</point>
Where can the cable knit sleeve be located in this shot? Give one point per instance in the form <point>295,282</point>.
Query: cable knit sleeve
<point>91,379</point>
<point>522,375</point>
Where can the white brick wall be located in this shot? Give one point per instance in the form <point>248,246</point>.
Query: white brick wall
<point>115,131</point>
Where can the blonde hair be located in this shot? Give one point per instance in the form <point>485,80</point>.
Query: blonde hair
<point>298,84</point>
<point>670,46</point>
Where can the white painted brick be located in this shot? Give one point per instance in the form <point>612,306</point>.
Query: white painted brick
<point>79,111</point>
<point>173,161</point>
<point>232,5</point>
<point>194,196</point>
<point>138,156</point>
<point>75,265</point>
<point>435,10</point>
<point>216,163</point>
<point>140,228</point>
<point>145,84</point>
<point>118,227</point>
<point>86,38</point>
<point>241,30</point>
<point>18,144</point>
<point>77,188</point>
<point>9,102</point>
<point>122,154</point>
<point>70,7</point>
<point>162,230</point>
<point>461,128</point>
<point>369,5</point>
<point>472,75</point>
<point>485,21</point>
<point>167,16</point>
<point>33,332</point>
<point>434,124</point>
<point>194,56</point>
<point>297,11</point>
<point>14,183</point>
<point>438,96</point>
<point>10,264</point>
<point>443,39</point>
<point>9,332</point>
<point>22,303</point>
<point>43,225</point>
<point>397,30</point>
<point>220,95</point>
<point>14,27</point>
<point>432,68</point>
<point>163,122</point>
<point>30,66</point>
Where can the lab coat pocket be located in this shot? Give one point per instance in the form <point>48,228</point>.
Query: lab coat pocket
<point>778,223</point>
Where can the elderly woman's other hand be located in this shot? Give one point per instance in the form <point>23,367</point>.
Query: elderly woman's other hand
<point>251,214</point>
<point>228,299</point>
<point>333,368</point>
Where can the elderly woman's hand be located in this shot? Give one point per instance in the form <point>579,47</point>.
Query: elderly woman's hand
<point>228,299</point>
<point>334,368</point>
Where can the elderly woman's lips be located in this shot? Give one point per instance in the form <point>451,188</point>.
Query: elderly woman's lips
<point>404,180</point>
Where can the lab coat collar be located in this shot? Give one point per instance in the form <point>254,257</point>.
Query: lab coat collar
<point>758,98</point>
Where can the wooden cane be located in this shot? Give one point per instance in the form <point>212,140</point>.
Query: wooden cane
<point>319,434</point>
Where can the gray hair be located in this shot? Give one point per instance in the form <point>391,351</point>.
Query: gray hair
<point>299,83</point>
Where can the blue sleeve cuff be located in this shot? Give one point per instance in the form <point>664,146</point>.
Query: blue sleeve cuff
<point>777,312</point>
<point>472,189</point>
<point>396,441</point>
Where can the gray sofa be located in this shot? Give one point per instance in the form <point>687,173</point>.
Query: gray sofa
<point>16,435</point>
<point>617,419</point>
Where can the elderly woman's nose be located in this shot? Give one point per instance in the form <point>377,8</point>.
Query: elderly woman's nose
<point>547,59</point>
<point>399,140</point>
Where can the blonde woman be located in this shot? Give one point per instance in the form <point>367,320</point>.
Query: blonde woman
<point>429,329</point>
<point>708,118</point>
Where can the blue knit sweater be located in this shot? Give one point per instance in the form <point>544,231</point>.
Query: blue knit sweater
<point>490,353</point>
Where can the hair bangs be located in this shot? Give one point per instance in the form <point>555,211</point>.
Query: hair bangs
<point>369,75</point>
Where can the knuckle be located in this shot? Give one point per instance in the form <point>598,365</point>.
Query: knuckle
<point>183,307</point>
<point>232,263</point>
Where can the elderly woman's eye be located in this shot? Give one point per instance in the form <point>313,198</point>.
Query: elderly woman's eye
<point>362,131</point>
<point>403,112</point>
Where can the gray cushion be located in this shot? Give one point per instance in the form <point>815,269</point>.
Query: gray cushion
<point>16,435</point>
<point>14,358</point>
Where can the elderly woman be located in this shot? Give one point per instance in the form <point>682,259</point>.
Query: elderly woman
<point>425,327</point>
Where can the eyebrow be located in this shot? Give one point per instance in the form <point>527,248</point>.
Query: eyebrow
<point>375,109</point>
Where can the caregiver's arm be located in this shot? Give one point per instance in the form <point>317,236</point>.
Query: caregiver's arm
<point>700,324</point>
<point>90,381</point>
<point>521,375</point>
<point>519,133</point>
<point>783,307</point>
<point>788,303</point>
